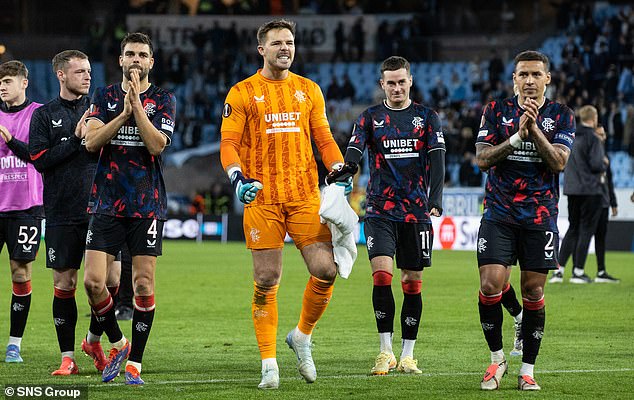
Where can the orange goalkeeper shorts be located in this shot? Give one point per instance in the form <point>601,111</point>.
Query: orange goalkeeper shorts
<point>265,226</point>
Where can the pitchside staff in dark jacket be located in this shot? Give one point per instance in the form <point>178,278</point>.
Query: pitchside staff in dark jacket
<point>608,200</point>
<point>583,182</point>
<point>57,151</point>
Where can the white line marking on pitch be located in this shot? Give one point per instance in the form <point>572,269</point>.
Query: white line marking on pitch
<point>362,376</point>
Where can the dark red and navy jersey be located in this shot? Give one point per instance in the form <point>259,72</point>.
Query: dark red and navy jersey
<point>398,143</point>
<point>522,190</point>
<point>129,180</point>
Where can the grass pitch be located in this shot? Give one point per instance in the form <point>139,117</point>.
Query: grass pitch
<point>202,344</point>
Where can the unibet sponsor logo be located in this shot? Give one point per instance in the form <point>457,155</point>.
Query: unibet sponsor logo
<point>400,148</point>
<point>128,130</point>
<point>286,116</point>
<point>399,143</point>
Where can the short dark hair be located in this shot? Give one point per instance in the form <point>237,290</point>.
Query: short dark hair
<point>61,60</point>
<point>275,24</point>
<point>137,37</point>
<point>532,55</point>
<point>394,63</point>
<point>13,68</point>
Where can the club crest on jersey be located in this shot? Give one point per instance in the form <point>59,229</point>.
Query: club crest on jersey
<point>548,124</point>
<point>56,124</point>
<point>149,106</point>
<point>300,96</point>
<point>226,110</point>
<point>417,122</point>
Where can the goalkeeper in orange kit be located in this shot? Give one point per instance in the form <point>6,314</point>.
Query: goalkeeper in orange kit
<point>267,125</point>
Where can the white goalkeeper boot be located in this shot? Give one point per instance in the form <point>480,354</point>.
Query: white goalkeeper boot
<point>302,349</point>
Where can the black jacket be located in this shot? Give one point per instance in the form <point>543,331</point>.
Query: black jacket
<point>583,173</point>
<point>67,168</point>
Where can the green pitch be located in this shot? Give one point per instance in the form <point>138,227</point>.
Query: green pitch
<point>202,344</point>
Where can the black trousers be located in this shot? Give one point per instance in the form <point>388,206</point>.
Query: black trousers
<point>584,213</point>
<point>599,238</point>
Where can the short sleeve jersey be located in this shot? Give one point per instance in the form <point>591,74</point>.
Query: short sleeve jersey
<point>398,143</point>
<point>129,180</point>
<point>275,119</point>
<point>521,190</point>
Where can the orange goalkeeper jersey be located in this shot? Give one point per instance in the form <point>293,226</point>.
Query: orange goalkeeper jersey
<point>266,129</point>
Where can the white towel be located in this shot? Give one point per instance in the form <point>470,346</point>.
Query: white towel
<point>341,220</point>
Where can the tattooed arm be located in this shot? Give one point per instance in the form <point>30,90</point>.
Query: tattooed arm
<point>487,155</point>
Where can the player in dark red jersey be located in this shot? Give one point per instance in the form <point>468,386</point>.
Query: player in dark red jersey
<point>406,152</point>
<point>523,143</point>
<point>130,123</point>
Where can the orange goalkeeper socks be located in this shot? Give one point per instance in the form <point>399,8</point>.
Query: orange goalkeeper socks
<point>316,298</point>
<point>264,314</point>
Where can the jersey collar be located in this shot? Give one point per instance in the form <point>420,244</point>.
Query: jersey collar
<point>14,109</point>
<point>398,109</point>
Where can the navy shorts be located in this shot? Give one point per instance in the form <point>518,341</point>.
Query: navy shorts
<point>144,236</point>
<point>411,242</point>
<point>65,245</point>
<point>508,244</point>
<point>22,236</point>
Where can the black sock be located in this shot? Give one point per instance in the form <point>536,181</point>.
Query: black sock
<point>20,306</point>
<point>107,319</point>
<point>410,315</point>
<point>141,326</point>
<point>95,327</point>
<point>65,319</point>
<point>533,322</point>
<point>510,302</point>
<point>383,303</point>
<point>491,320</point>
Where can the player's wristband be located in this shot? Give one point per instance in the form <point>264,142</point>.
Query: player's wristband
<point>516,141</point>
